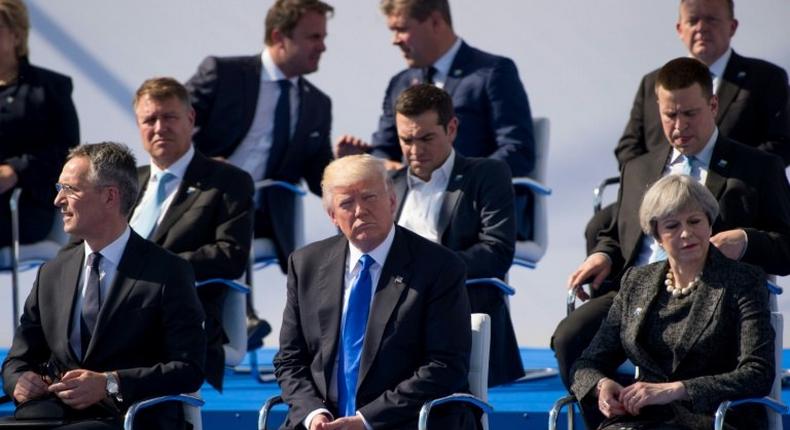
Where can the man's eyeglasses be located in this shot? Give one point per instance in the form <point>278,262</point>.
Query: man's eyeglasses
<point>66,189</point>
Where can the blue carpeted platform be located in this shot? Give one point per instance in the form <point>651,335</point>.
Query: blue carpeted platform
<point>522,406</point>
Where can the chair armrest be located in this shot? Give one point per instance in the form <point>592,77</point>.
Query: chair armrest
<point>773,288</point>
<point>768,402</point>
<point>266,183</point>
<point>598,191</point>
<point>457,397</point>
<point>531,184</point>
<point>496,282</point>
<point>556,408</point>
<point>230,283</point>
<point>187,399</point>
<point>263,414</point>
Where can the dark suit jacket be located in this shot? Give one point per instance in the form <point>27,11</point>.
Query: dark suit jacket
<point>753,110</point>
<point>148,330</point>
<point>224,94</point>
<point>489,101</point>
<point>477,222</point>
<point>416,344</point>
<point>36,130</point>
<point>730,315</point>
<point>209,224</point>
<point>752,191</point>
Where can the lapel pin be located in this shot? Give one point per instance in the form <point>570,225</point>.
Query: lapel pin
<point>415,81</point>
<point>457,72</point>
<point>399,279</point>
<point>637,311</point>
<point>315,134</point>
<point>458,177</point>
<point>191,190</point>
<point>722,163</point>
<point>741,74</point>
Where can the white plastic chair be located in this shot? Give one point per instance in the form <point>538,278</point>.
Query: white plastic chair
<point>234,320</point>
<point>18,258</point>
<point>478,379</point>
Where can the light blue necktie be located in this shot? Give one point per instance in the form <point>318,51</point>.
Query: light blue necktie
<point>690,163</point>
<point>149,213</point>
<point>353,337</point>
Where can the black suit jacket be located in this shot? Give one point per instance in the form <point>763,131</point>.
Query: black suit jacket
<point>37,128</point>
<point>753,110</point>
<point>752,191</point>
<point>729,315</point>
<point>416,343</point>
<point>224,93</point>
<point>209,224</point>
<point>477,222</point>
<point>149,328</point>
<point>490,103</point>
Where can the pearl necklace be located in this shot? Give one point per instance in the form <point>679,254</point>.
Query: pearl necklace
<point>680,291</point>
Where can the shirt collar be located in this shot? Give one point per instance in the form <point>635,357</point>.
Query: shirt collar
<point>114,250</point>
<point>270,72</point>
<point>718,66</point>
<point>177,169</point>
<point>441,174</point>
<point>443,64</point>
<point>704,156</point>
<point>379,253</point>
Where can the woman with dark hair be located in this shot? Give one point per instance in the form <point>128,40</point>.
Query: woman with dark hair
<point>697,325</point>
<point>38,124</point>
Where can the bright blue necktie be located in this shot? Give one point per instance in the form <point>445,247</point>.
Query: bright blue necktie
<point>353,337</point>
<point>149,213</point>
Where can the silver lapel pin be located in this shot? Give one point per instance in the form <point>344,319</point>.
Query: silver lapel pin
<point>722,163</point>
<point>637,311</point>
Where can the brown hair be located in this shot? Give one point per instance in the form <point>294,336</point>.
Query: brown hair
<point>13,14</point>
<point>684,72</point>
<point>284,15</point>
<point>162,88</point>
<point>417,9</point>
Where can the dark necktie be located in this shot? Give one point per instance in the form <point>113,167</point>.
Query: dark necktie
<point>281,133</point>
<point>91,302</point>
<point>428,74</point>
<point>353,338</point>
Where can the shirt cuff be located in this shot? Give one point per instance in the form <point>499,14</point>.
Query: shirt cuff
<point>364,421</point>
<point>745,244</point>
<point>311,415</point>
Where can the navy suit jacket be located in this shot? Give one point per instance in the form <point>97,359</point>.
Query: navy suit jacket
<point>477,221</point>
<point>224,93</point>
<point>752,191</point>
<point>754,109</point>
<point>416,344</point>
<point>149,328</point>
<point>490,103</point>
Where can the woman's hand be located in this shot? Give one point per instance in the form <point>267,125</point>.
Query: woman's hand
<point>641,394</point>
<point>609,398</point>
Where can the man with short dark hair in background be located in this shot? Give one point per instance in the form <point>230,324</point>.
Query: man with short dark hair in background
<point>489,98</point>
<point>465,204</point>
<point>113,319</point>
<point>259,113</point>
<point>191,205</point>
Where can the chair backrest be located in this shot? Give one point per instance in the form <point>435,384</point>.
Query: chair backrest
<point>478,359</point>
<point>534,249</point>
<point>234,323</point>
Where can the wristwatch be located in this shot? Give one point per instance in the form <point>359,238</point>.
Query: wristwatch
<point>113,388</point>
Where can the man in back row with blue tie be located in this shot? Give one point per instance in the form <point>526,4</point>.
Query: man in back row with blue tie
<point>259,113</point>
<point>750,185</point>
<point>191,205</point>
<point>376,320</point>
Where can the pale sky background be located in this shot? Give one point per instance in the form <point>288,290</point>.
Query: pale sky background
<point>580,61</point>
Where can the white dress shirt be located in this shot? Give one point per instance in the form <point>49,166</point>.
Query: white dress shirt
<point>177,169</point>
<point>443,64</point>
<point>352,269</point>
<point>424,200</point>
<point>108,267</point>
<point>674,166</point>
<point>252,154</point>
<point>717,69</point>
